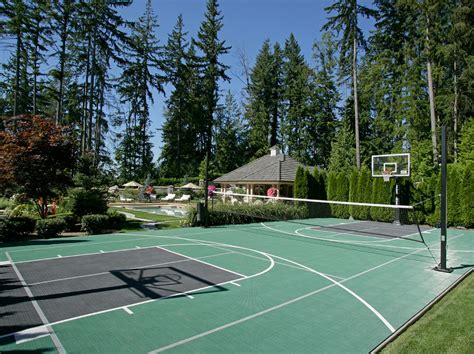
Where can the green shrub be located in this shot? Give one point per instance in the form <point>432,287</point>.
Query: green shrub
<point>71,222</point>
<point>88,202</point>
<point>467,196</point>
<point>95,223</point>
<point>227,214</point>
<point>454,195</point>
<point>26,209</point>
<point>116,219</point>
<point>5,203</point>
<point>16,228</point>
<point>47,228</point>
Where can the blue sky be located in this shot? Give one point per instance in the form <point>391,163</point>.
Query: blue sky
<point>247,23</point>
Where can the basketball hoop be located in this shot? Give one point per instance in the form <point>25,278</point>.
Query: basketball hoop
<point>386,175</point>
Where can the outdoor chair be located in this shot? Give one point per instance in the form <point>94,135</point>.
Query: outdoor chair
<point>125,199</point>
<point>184,198</point>
<point>169,198</point>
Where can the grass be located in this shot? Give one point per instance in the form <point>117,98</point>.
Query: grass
<point>166,220</point>
<point>446,328</point>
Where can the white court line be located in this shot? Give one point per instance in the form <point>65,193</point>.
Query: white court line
<point>279,263</point>
<point>4,263</point>
<point>133,268</point>
<point>270,267</point>
<point>366,304</point>
<point>127,310</point>
<point>35,304</point>
<point>197,260</point>
<point>298,233</point>
<point>348,233</point>
<point>187,340</point>
<point>236,284</point>
<point>381,239</point>
<point>217,329</point>
<point>31,334</point>
<point>79,244</point>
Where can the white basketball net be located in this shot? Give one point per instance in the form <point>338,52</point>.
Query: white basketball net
<point>386,176</point>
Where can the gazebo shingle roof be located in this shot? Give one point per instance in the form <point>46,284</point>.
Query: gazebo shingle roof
<point>278,168</point>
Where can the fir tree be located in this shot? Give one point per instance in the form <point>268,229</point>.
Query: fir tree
<point>297,121</point>
<point>346,20</point>
<point>342,151</point>
<point>264,101</point>
<point>139,78</point>
<point>467,196</point>
<point>325,98</point>
<point>213,70</point>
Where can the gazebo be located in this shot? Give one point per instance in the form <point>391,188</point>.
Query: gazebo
<point>275,170</point>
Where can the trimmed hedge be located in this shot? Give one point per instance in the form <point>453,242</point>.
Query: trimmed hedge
<point>48,228</point>
<point>424,195</point>
<point>227,214</point>
<point>16,228</point>
<point>95,223</point>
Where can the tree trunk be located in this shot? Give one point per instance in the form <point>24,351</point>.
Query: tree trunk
<point>19,45</point>
<point>62,63</point>
<point>91,95</point>
<point>356,103</point>
<point>455,112</point>
<point>432,113</point>
<point>429,69</point>
<point>35,70</point>
<point>84,107</point>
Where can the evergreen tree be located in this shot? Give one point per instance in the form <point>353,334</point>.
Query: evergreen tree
<point>353,184</point>
<point>212,70</point>
<point>346,20</point>
<point>467,196</point>
<point>325,98</point>
<point>178,121</point>
<point>15,27</point>
<point>64,21</point>
<point>297,121</point>
<point>342,194</point>
<point>455,173</point>
<point>138,79</point>
<point>230,137</point>
<point>466,145</point>
<point>342,151</point>
<point>263,108</point>
<point>300,187</point>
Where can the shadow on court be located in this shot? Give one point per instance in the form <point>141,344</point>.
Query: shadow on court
<point>62,298</point>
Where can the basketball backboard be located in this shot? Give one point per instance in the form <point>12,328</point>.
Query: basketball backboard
<point>397,165</point>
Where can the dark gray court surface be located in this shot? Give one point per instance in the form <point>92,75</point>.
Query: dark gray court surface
<point>376,229</point>
<point>74,286</point>
<point>16,310</point>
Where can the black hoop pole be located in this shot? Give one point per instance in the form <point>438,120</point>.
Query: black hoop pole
<point>397,202</point>
<point>444,203</point>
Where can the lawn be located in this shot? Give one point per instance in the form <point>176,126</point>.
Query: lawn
<point>446,328</point>
<point>165,221</point>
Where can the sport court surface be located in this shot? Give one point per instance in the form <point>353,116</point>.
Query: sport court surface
<point>322,285</point>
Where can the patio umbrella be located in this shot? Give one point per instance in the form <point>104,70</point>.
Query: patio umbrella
<point>132,184</point>
<point>190,186</point>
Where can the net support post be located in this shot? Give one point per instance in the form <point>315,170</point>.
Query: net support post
<point>397,202</point>
<point>444,210</point>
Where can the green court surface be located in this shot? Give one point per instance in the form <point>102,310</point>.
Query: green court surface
<point>287,287</point>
